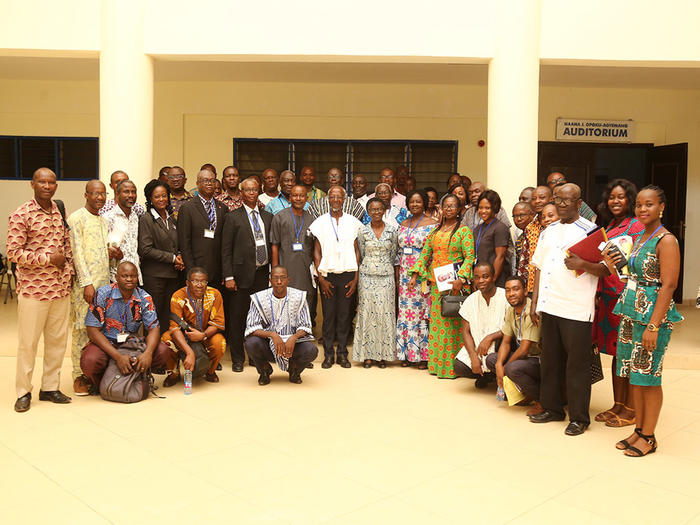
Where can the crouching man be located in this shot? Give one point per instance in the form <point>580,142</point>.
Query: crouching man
<point>118,311</point>
<point>278,329</point>
<point>202,308</point>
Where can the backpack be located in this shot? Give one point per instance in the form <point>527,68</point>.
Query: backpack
<point>129,388</point>
<point>62,209</point>
<point>201,355</point>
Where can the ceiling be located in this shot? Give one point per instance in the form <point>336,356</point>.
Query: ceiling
<point>81,69</point>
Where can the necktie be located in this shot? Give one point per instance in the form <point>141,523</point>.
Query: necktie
<point>260,249</point>
<point>211,213</point>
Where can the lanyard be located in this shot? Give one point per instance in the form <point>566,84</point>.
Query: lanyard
<point>124,314</point>
<point>198,313</point>
<point>410,232</point>
<point>482,231</point>
<point>635,253</point>
<point>254,220</point>
<point>272,309</point>
<point>298,232</point>
<point>334,230</point>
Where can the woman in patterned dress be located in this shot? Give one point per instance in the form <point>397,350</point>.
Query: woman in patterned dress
<point>449,243</point>
<point>375,328</point>
<point>647,314</point>
<point>413,321</point>
<point>617,211</point>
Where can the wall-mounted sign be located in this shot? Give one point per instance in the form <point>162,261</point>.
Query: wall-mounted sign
<point>585,130</point>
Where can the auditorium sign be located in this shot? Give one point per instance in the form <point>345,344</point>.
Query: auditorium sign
<point>585,130</point>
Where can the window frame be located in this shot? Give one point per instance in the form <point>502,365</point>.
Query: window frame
<point>56,148</point>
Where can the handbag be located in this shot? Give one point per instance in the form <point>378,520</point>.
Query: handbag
<point>201,355</point>
<point>126,388</point>
<point>596,366</point>
<point>450,305</point>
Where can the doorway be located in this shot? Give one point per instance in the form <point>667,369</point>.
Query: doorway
<point>592,165</point>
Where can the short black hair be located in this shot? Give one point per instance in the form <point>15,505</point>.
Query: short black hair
<point>423,196</point>
<point>517,278</point>
<point>196,269</point>
<point>486,264</point>
<point>494,200</point>
<point>375,199</point>
<point>659,192</point>
<point>148,193</point>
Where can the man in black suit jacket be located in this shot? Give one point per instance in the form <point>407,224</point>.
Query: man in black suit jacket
<point>200,222</point>
<point>246,264</point>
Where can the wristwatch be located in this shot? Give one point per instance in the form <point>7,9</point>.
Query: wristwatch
<point>205,337</point>
<point>652,327</point>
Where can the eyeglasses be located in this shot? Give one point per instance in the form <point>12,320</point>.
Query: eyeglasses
<point>521,215</point>
<point>176,177</point>
<point>450,207</point>
<point>207,181</point>
<point>199,283</point>
<point>250,190</point>
<point>566,202</point>
<point>557,182</point>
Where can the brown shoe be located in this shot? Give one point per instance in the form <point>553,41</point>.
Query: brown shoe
<point>81,386</point>
<point>172,379</point>
<point>536,408</point>
<point>212,378</point>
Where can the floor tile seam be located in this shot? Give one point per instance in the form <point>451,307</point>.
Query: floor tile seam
<point>554,496</point>
<point>692,518</point>
<point>65,490</point>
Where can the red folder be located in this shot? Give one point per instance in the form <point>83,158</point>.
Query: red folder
<point>587,248</point>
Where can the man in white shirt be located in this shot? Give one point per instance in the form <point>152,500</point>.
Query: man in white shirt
<point>245,260</point>
<point>359,189</point>
<point>564,305</point>
<point>336,258</point>
<point>115,179</point>
<point>482,316</point>
<point>387,176</point>
<point>270,189</point>
<point>123,227</point>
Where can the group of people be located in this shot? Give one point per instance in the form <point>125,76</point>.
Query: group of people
<point>241,264</point>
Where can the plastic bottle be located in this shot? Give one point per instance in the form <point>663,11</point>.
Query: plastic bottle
<point>500,394</point>
<point>697,301</point>
<point>188,382</point>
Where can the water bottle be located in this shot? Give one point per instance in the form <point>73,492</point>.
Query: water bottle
<point>500,394</point>
<point>697,301</point>
<point>188,382</point>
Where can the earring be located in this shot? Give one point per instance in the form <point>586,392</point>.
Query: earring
<point>661,214</point>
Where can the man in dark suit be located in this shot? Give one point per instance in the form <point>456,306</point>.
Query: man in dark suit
<point>200,222</point>
<point>246,264</point>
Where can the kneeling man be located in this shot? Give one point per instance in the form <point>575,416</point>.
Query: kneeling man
<point>118,311</point>
<point>202,308</point>
<point>278,328</point>
<point>482,319</point>
<point>519,353</point>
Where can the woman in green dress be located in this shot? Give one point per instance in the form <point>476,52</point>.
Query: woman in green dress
<point>448,243</point>
<point>647,314</point>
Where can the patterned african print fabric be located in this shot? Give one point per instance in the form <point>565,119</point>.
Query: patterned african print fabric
<point>111,314</point>
<point>375,330</point>
<point>641,366</point>
<point>32,236</point>
<point>110,204</point>
<point>177,203</point>
<point>233,203</point>
<point>413,321</point>
<point>123,231</point>
<point>606,323</point>
<point>314,194</point>
<point>212,311</point>
<point>284,316</point>
<point>532,235</point>
<point>445,336</point>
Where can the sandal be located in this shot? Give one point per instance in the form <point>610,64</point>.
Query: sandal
<point>423,365</point>
<point>617,422</point>
<point>634,452</point>
<point>404,364</point>
<point>624,444</point>
<point>607,414</point>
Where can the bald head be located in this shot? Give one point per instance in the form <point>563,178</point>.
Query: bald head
<point>43,172</point>
<point>44,186</point>
<point>95,196</point>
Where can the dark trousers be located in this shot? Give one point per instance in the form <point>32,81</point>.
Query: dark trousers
<point>237,307</point>
<point>94,360</point>
<point>566,356</point>
<point>337,314</point>
<point>161,290</point>
<point>526,374</point>
<point>312,301</point>
<point>259,350</point>
<point>462,370</point>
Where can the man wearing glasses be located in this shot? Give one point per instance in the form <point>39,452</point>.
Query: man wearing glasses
<point>178,194</point>
<point>557,179</point>
<point>199,226</point>
<point>246,264</point>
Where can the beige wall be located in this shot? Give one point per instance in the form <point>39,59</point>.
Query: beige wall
<point>196,121</point>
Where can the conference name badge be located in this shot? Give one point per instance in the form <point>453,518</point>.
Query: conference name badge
<point>407,250</point>
<point>208,234</point>
<point>122,337</point>
<point>297,247</point>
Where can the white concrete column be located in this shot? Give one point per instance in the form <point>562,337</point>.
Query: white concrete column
<point>513,98</point>
<point>126,94</point>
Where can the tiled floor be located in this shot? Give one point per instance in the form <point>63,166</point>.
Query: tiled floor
<point>348,446</point>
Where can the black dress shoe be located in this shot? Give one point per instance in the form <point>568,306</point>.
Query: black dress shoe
<point>343,361</point>
<point>382,364</point>
<point>55,396</point>
<point>546,416</point>
<point>575,428</point>
<point>481,382</point>
<point>22,403</point>
<point>237,367</point>
<point>327,362</point>
<point>294,376</point>
<point>264,379</point>
<point>310,365</point>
